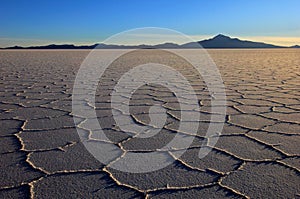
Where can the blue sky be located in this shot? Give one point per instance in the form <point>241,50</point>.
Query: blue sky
<point>35,22</point>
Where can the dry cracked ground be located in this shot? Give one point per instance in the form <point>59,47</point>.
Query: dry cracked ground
<point>257,154</point>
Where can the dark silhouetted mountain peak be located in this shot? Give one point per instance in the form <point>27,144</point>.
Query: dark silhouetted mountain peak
<point>223,41</point>
<point>295,46</point>
<point>221,36</point>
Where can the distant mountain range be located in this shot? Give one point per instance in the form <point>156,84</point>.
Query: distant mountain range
<point>219,41</point>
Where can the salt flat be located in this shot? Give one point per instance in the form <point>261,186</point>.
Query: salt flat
<point>257,154</point>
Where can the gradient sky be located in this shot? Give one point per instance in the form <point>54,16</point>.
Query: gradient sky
<point>37,22</point>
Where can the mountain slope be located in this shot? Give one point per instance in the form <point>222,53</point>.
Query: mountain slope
<point>222,41</point>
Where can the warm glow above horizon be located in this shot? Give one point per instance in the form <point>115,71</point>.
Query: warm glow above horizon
<point>280,41</point>
<point>275,40</point>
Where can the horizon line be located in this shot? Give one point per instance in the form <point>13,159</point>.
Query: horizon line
<point>196,38</point>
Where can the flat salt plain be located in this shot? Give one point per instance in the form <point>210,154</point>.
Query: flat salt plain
<point>257,154</point>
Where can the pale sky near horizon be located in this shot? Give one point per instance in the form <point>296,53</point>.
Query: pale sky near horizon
<point>36,22</point>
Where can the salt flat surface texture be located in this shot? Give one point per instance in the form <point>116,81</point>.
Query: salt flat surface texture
<point>257,154</point>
